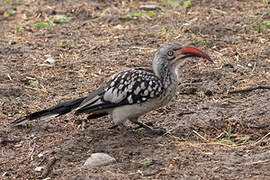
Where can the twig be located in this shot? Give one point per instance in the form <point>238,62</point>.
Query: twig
<point>184,113</point>
<point>219,11</point>
<point>254,67</point>
<point>249,89</point>
<point>32,152</point>
<point>200,135</point>
<point>219,136</point>
<point>154,173</point>
<point>32,148</point>
<point>257,162</point>
<point>262,139</point>
<point>260,127</point>
<point>8,75</point>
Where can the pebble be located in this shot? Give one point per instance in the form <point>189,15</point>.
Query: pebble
<point>49,59</point>
<point>39,168</point>
<point>40,155</point>
<point>99,159</point>
<point>208,93</point>
<point>149,7</point>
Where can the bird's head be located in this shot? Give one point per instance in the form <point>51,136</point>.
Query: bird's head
<point>172,56</point>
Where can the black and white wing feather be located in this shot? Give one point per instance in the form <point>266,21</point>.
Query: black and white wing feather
<point>125,88</point>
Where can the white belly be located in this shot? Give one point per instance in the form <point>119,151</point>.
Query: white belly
<point>123,113</point>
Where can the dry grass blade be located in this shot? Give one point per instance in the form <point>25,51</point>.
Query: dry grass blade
<point>249,89</point>
<point>261,139</point>
<point>203,138</point>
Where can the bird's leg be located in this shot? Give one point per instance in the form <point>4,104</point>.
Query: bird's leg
<point>158,131</point>
<point>124,129</point>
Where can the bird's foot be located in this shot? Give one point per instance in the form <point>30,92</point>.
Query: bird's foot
<point>113,126</point>
<point>126,130</point>
<point>156,131</point>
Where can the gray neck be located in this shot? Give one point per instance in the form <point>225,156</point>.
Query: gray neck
<point>169,81</point>
<point>167,75</point>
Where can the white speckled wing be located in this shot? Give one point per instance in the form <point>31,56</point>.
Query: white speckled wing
<point>127,87</point>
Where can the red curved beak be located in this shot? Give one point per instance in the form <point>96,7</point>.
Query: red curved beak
<point>189,51</point>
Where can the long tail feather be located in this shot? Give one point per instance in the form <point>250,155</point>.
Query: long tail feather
<point>55,111</point>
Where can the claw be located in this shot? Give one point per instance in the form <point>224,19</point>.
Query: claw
<point>158,131</point>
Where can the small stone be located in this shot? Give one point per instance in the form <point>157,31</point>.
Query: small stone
<point>60,19</point>
<point>250,65</point>
<point>208,93</point>
<point>49,59</point>
<point>227,65</point>
<point>99,159</point>
<point>119,27</point>
<point>149,7</point>
<point>40,155</point>
<point>39,168</point>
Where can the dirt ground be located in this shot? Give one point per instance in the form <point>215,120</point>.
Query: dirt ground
<point>211,133</point>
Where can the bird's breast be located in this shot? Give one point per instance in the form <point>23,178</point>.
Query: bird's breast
<point>169,90</point>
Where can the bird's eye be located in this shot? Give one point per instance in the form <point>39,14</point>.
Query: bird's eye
<point>170,53</point>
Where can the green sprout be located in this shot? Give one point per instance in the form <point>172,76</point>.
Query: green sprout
<point>60,20</point>
<point>177,3</point>
<point>43,24</point>
<point>131,15</point>
<point>205,41</point>
<point>165,28</point>
<point>8,13</point>
<point>18,28</point>
<point>174,4</point>
<point>187,4</point>
<point>266,23</point>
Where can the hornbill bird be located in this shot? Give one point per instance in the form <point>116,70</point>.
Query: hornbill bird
<point>130,93</point>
